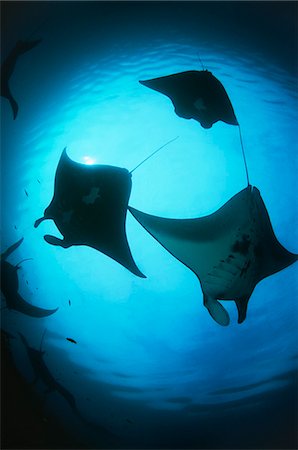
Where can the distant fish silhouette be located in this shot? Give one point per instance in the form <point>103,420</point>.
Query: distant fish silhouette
<point>230,250</point>
<point>26,193</point>
<point>10,287</point>
<point>7,69</point>
<point>89,207</point>
<point>196,95</point>
<point>71,340</point>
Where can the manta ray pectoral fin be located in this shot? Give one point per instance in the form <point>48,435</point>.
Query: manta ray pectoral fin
<point>241,304</point>
<point>55,241</point>
<point>11,249</point>
<point>216,310</point>
<point>20,305</point>
<point>14,107</point>
<point>51,239</point>
<point>38,221</point>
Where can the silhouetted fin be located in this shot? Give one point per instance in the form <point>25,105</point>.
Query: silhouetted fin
<point>242,308</point>
<point>89,207</point>
<point>24,46</point>
<point>20,305</point>
<point>216,310</point>
<point>10,287</point>
<point>55,241</point>
<point>7,69</point>
<point>196,95</point>
<point>38,221</point>
<point>13,104</point>
<point>11,249</point>
<point>230,250</point>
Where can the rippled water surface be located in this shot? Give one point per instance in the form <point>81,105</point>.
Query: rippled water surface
<point>150,364</point>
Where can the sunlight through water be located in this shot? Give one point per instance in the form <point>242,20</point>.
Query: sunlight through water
<point>147,345</point>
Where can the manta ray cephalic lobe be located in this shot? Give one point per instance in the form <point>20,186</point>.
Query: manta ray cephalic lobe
<point>197,95</point>
<point>230,250</point>
<point>89,207</point>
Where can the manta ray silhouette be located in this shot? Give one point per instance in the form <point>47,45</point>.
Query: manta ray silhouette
<point>41,371</point>
<point>196,95</point>
<point>230,250</point>
<point>89,207</point>
<point>7,69</point>
<point>10,287</point>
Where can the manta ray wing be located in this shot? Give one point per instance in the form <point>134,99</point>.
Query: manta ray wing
<point>7,69</point>
<point>10,287</point>
<point>11,249</point>
<point>196,95</point>
<point>89,207</point>
<point>19,304</point>
<point>230,250</point>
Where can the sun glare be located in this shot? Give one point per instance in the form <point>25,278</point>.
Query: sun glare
<point>88,160</point>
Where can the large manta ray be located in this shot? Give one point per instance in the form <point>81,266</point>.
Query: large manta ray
<point>230,250</point>
<point>7,69</point>
<point>196,95</point>
<point>10,287</point>
<point>89,207</point>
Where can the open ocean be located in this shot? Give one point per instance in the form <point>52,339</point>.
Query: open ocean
<point>151,368</point>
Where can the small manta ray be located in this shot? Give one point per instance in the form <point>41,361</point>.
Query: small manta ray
<point>42,373</point>
<point>7,69</point>
<point>196,95</point>
<point>230,250</point>
<point>89,207</point>
<point>10,287</point>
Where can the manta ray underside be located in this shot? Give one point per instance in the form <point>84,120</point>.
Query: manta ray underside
<point>230,250</point>
<point>89,207</point>
<point>196,95</point>
<point>10,287</point>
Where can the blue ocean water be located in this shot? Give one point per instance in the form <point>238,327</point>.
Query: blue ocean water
<point>150,365</point>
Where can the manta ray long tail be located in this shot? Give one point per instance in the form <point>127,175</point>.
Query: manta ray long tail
<point>243,154</point>
<point>144,160</point>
